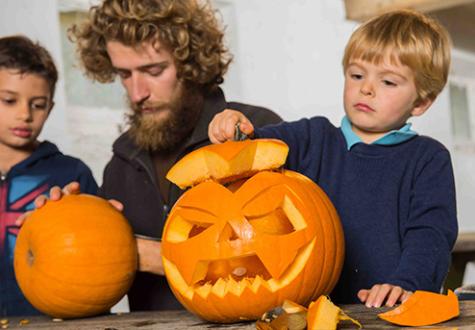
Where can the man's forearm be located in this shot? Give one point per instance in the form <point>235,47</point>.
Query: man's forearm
<point>150,258</point>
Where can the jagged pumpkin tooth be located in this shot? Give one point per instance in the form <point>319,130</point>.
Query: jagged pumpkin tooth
<point>424,308</point>
<point>322,314</point>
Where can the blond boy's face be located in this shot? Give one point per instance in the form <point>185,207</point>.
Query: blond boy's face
<point>380,97</point>
<point>24,107</point>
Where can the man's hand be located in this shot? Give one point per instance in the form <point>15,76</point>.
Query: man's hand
<point>150,256</point>
<point>223,126</point>
<point>379,293</point>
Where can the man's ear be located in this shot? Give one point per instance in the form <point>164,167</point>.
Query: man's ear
<point>421,107</point>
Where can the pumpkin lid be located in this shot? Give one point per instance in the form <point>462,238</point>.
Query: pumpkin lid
<point>228,161</point>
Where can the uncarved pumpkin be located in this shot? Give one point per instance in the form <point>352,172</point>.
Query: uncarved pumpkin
<point>231,252</point>
<point>75,257</point>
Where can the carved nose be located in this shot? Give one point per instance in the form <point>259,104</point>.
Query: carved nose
<point>228,234</point>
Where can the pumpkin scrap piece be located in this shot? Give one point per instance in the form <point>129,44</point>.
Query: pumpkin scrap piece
<point>424,308</point>
<point>291,316</point>
<point>324,315</point>
<point>291,307</point>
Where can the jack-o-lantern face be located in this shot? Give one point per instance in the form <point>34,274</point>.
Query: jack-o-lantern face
<point>232,252</point>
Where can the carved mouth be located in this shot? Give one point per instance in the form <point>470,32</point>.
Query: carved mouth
<point>234,280</point>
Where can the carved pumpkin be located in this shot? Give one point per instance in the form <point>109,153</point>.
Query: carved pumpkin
<point>75,257</point>
<point>231,252</point>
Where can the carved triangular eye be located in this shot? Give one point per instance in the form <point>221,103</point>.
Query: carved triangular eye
<point>274,223</point>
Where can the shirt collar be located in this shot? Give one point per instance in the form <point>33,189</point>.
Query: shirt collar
<point>390,138</point>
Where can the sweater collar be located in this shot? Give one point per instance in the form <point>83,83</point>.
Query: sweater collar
<point>391,138</point>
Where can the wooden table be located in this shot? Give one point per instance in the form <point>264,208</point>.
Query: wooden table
<point>463,252</point>
<point>173,320</point>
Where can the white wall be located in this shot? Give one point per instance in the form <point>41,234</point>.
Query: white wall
<point>38,19</point>
<point>289,54</point>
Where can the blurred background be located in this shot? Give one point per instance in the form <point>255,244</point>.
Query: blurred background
<point>287,56</point>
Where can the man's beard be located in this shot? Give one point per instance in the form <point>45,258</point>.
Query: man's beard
<point>165,134</point>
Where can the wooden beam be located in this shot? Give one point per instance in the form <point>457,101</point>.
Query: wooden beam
<point>360,10</point>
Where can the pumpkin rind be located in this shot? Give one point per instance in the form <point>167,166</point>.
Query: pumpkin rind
<point>279,228</point>
<point>75,257</point>
<point>424,308</point>
<point>323,314</point>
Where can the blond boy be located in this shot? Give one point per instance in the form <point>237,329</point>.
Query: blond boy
<point>394,189</point>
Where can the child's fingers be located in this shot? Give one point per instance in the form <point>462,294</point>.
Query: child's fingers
<point>222,127</point>
<point>377,295</point>
<point>21,219</point>
<point>246,127</point>
<point>405,295</point>
<point>55,193</point>
<point>40,201</point>
<point>72,188</point>
<point>363,295</point>
<point>214,131</point>
<point>394,295</point>
<point>228,125</point>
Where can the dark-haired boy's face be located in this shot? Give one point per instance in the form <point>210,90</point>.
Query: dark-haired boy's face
<point>24,107</point>
<point>164,110</point>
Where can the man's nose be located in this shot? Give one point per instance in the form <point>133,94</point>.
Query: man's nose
<point>139,90</point>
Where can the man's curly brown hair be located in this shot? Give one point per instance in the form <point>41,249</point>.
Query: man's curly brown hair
<point>188,29</point>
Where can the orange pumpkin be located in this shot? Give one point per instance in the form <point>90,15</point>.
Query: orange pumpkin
<point>231,252</point>
<point>323,314</point>
<point>75,257</point>
<point>424,308</point>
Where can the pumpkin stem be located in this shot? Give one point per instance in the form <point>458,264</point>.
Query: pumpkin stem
<point>30,257</point>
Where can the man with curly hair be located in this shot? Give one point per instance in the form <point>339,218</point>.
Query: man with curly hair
<point>170,58</point>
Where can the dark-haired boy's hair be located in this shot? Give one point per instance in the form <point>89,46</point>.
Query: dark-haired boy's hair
<point>27,57</point>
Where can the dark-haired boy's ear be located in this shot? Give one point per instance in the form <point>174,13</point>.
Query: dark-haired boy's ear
<point>421,107</point>
<point>50,107</point>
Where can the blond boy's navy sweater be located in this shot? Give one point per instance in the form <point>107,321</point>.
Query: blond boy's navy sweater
<point>396,204</point>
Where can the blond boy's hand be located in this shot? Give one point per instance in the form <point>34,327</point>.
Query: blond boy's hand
<point>379,293</point>
<point>55,194</point>
<point>223,126</point>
